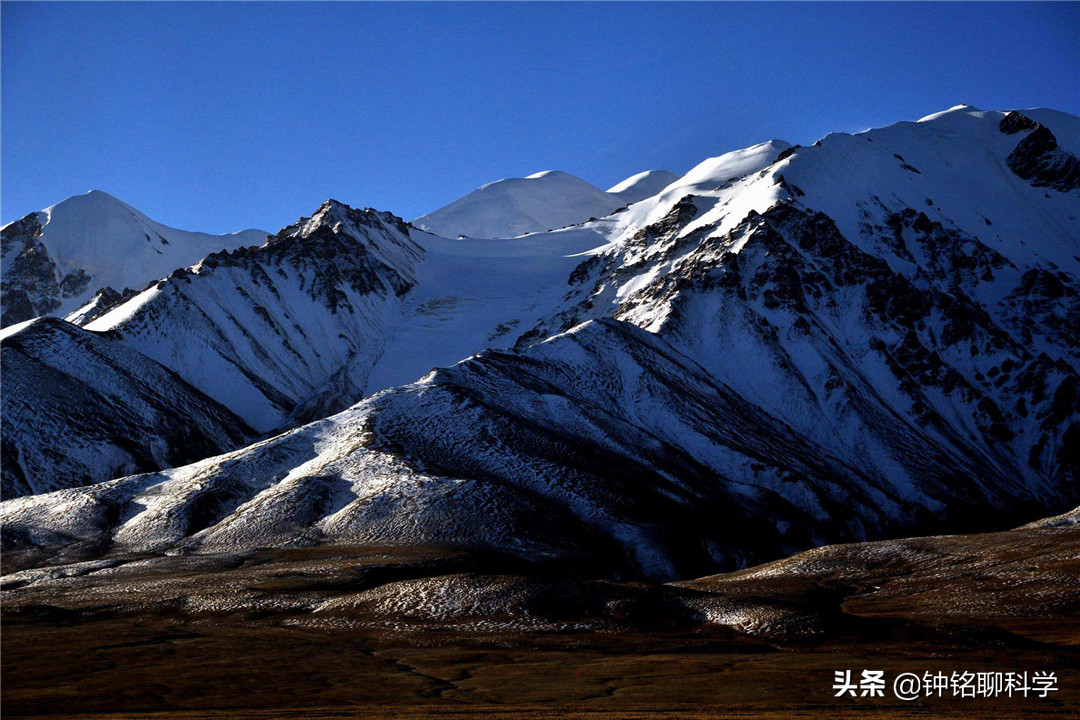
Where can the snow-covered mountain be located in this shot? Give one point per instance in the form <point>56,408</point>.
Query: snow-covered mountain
<point>874,335</point>
<point>906,272</point>
<point>539,202</point>
<point>284,331</point>
<point>57,260</point>
<point>81,407</point>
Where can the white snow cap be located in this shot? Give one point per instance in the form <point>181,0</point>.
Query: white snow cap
<point>545,200</point>
<point>643,185</point>
<point>119,247</point>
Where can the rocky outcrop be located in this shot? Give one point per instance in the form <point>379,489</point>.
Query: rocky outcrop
<point>32,282</point>
<point>102,302</point>
<point>1037,157</point>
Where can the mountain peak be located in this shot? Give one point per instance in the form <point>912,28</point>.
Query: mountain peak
<point>94,192</point>
<point>331,203</point>
<point>643,185</point>
<point>97,202</point>
<point>72,249</point>
<point>337,215</point>
<point>545,200</point>
<point>331,213</point>
<point>551,174</point>
<point>331,210</point>
<point>960,109</point>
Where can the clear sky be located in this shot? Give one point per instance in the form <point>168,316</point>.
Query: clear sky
<point>218,117</point>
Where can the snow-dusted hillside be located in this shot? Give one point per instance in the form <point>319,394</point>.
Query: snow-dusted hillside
<point>284,330</point>
<point>236,340</point>
<point>57,260</point>
<point>603,442</point>
<point>874,335</point>
<point>81,407</point>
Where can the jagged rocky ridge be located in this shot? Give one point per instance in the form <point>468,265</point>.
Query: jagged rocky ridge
<point>81,407</point>
<point>286,331</point>
<point>789,346</point>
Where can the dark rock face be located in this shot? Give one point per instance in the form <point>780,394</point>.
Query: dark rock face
<point>20,233</point>
<point>331,255</point>
<point>1045,307</point>
<point>902,312</point>
<point>340,262</point>
<point>80,408</point>
<point>788,152</point>
<point>31,286</point>
<point>74,283</point>
<point>1037,158</point>
<point>1015,122</point>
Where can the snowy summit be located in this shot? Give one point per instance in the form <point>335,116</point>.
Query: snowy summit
<point>57,260</point>
<point>542,201</point>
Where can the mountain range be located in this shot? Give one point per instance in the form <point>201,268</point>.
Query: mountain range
<point>871,336</point>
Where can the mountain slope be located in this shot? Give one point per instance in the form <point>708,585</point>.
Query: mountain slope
<point>56,260</point>
<point>632,455</point>
<point>285,329</point>
<point>79,408</point>
<point>475,293</point>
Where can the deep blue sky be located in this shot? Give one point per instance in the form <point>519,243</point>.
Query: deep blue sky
<point>217,117</point>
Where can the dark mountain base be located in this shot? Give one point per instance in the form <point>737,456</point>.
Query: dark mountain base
<point>418,632</point>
